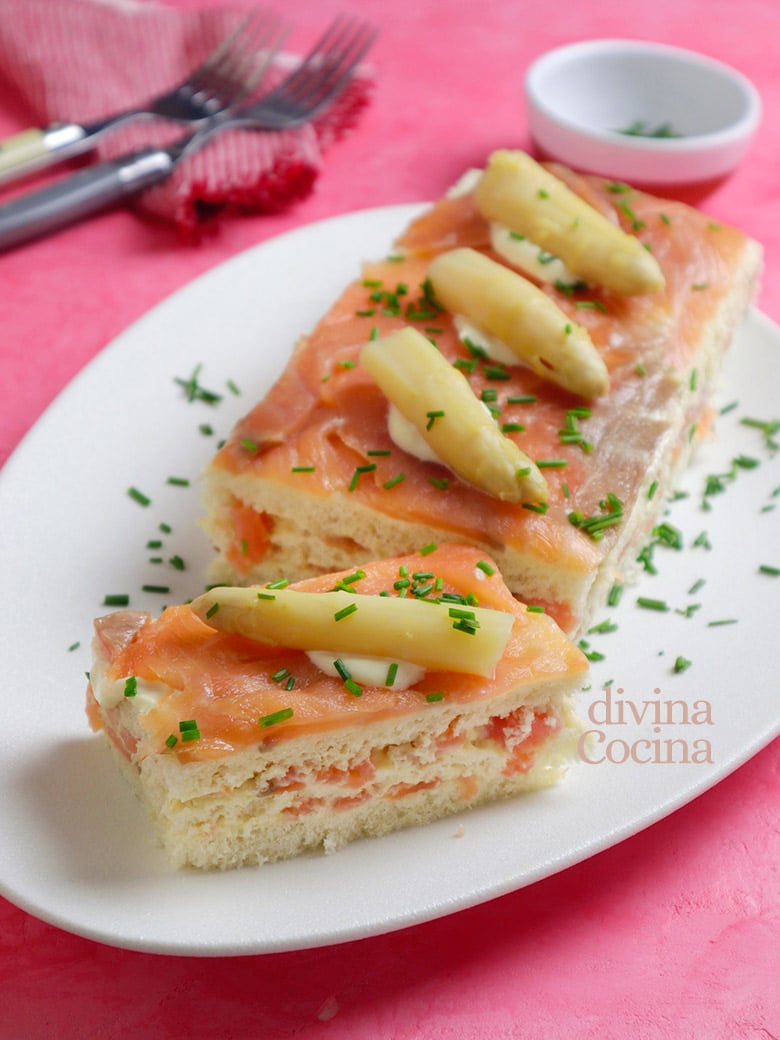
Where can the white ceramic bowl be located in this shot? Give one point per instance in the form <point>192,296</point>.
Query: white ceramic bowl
<point>582,98</point>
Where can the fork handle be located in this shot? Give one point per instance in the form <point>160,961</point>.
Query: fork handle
<point>35,148</point>
<point>80,195</point>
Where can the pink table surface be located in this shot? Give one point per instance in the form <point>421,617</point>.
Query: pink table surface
<point>673,933</point>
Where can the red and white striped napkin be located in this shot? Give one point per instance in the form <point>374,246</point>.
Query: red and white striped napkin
<point>78,60</point>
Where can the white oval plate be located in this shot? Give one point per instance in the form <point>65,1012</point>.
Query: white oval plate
<point>77,848</point>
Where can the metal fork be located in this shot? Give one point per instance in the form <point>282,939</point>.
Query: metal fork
<point>301,96</point>
<point>226,77</point>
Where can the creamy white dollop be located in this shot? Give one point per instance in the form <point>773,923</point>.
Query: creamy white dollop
<point>528,257</point>
<point>465,183</point>
<point>405,435</point>
<point>111,692</point>
<point>368,671</point>
<point>494,347</point>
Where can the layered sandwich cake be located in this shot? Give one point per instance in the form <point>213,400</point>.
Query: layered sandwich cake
<point>527,371</point>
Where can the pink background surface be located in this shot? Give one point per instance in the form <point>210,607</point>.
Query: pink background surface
<point>673,933</point>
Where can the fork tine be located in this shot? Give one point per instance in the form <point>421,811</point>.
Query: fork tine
<point>328,65</point>
<point>232,62</point>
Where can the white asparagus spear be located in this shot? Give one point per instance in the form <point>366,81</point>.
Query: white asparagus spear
<point>516,191</point>
<point>509,307</point>
<point>434,635</point>
<point>438,400</point>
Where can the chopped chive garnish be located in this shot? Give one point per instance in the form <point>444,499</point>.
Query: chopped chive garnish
<point>154,543</point>
<point>345,612</point>
<point>139,496</point>
<point>465,625</point>
<point>534,608</point>
<point>195,392</point>
<point>522,399</point>
<point>394,481</point>
<point>591,305</point>
<point>421,591</point>
<point>354,688</point>
<point>723,621</point>
<point>496,372</point>
<point>426,550</point>
<point>512,427</point>
<point>280,675</point>
<point>432,417</point>
<point>614,595</point>
<point>766,568</point>
<point>359,471</point>
<point>265,595</point>
<point>276,716</point>
<point>206,429</point>
<point>177,563</point>
<point>392,671</point>
<point>131,686</point>
<point>74,646</point>
<point>280,583</point>
<point>342,669</point>
<point>680,664</point>
<point>442,483</point>
<point>179,481</point>
<point>357,575</point>
<point>591,655</point>
<point>486,568</point>
<point>464,365</point>
<point>378,451</point>
<point>166,528</point>
<point>745,462</point>
<point>432,697</point>
<point>652,604</point>
<point>212,610</point>
<point>233,387</point>
<point>652,489</point>
<point>116,599</point>
<point>603,627</point>
<point>551,463</point>
<point>187,724</point>
<point>640,369</point>
<point>162,589</point>
<point>536,507</point>
<point>303,469</point>
<point>695,587</point>
<point>171,740</point>
<point>668,535</point>
<point>249,444</point>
